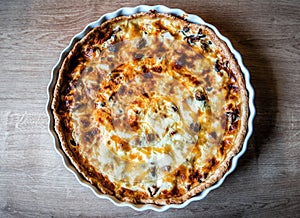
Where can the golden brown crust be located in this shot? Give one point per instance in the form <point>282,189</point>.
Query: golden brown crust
<point>175,196</point>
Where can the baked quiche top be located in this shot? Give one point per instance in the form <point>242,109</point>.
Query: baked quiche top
<point>150,108</point>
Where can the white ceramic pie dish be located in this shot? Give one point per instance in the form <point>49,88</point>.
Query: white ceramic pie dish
<point>129,11</point>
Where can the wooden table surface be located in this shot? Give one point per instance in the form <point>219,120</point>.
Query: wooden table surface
<point>33,180</point>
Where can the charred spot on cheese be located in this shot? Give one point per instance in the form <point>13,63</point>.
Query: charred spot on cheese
<point>101,104</point>
<point>72,142</point>
<point>225,144</point>
<point>233,88</point>
<point>205,46</point>
<point>191,78</point>
<point>132,120</point>
<point>112,96</point>
<point>88,52</point>
<point>178,65</point>
<point>231,75</point>
<point>186,29</point>
<point>229,107</point>
<point>181,173</point>
<point>233,126</point>
<point>195,176</point>
<point>173,133</point>
<point>153,190</point>
<point>212,163</point>
<point>217,66</point>
<point>175,108</point>
<point>188,187</point>
<point>108,34</point>
<point>232,119</point>
<point>121,143</point>
<point>157,69</point>
<point>200,96</point>
<point>145,69</point>
<point>191,39</point>
<point>177,190</point>
<point>233,115</point>
<point>223,65</point>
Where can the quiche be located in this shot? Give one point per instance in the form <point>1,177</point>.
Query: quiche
<point>150,108</point>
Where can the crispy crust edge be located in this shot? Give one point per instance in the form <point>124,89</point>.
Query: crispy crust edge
<point>222,168</point>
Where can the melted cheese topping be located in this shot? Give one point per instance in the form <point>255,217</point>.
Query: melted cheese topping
<point>149,107</point>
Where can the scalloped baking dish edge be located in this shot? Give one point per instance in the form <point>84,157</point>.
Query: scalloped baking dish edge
<point>129,11</point>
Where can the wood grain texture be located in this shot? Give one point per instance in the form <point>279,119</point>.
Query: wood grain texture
<point>33,180</point>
